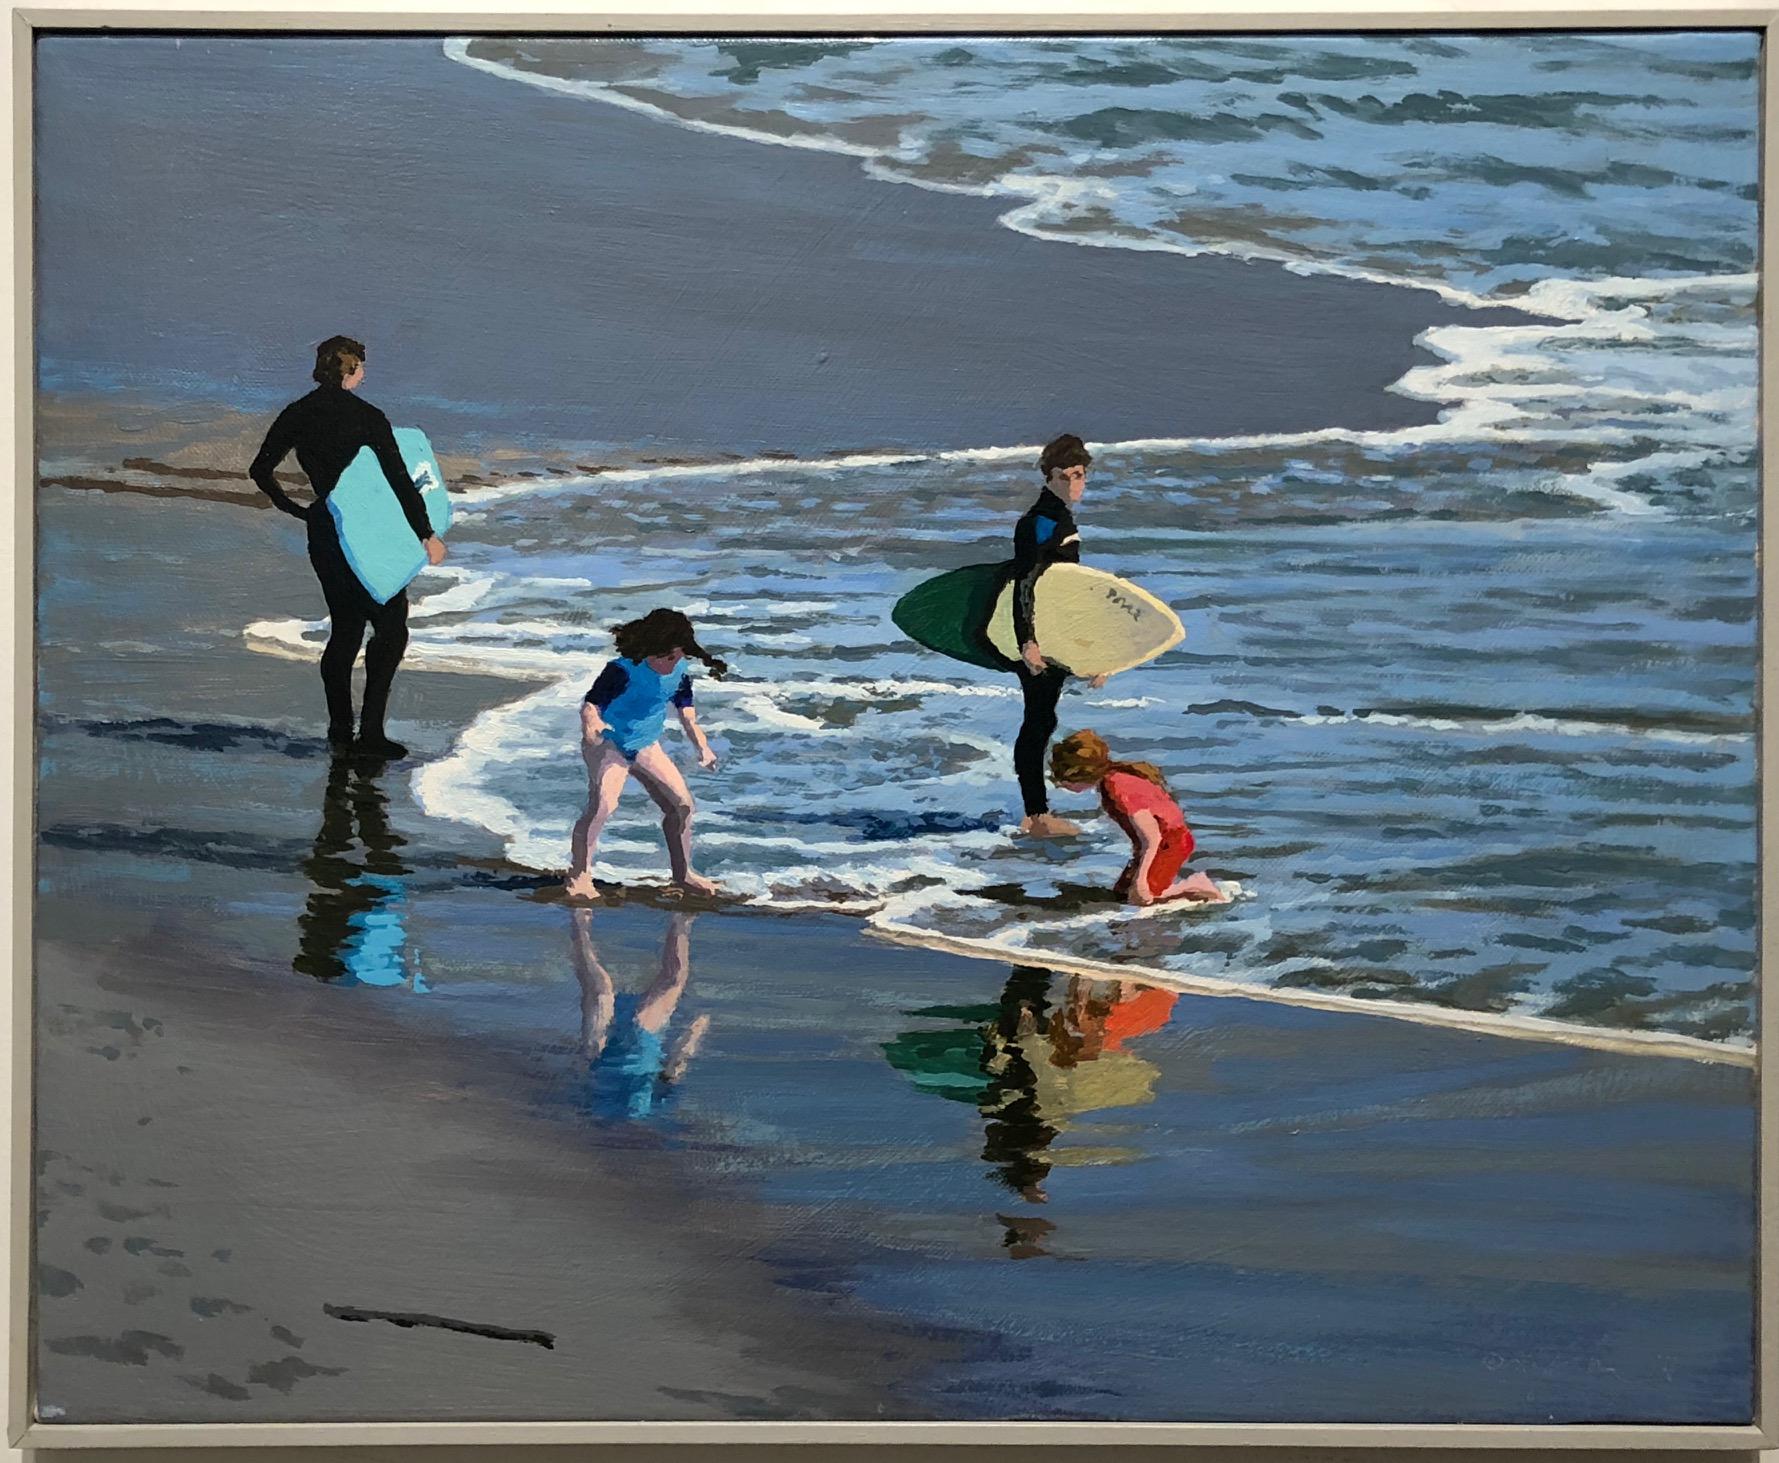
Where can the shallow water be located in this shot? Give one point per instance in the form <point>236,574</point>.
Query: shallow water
<point>1453,754</point>
<point>1478,161</point>
<point>1466,708</point>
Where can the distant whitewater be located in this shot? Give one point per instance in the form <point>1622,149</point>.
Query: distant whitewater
<point>1467,708</point>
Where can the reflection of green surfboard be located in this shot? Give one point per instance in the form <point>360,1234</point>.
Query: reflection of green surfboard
<point>950,614</point>
<point>1088,621</point>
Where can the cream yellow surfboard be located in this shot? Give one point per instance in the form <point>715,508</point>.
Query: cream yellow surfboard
<point>1094,623</point>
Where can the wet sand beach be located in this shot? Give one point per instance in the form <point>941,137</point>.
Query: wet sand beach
<point>268,1151</point>
<point>620,282</point>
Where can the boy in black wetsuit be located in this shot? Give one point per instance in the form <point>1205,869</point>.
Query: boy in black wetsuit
<point>1046,535</point>
<point>327,428</point>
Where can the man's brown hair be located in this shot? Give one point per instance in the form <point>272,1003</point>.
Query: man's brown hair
<point>336,358</point>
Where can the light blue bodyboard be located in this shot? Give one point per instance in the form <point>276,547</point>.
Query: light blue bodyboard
<point>374,532</point>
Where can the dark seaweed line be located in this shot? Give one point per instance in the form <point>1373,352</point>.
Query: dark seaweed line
<point>408,1319</point>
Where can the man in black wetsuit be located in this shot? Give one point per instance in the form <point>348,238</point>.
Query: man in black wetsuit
<point>1046,535</point>
<point>327,428</point>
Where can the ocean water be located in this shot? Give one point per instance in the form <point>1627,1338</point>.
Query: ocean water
<point>1466,708</point>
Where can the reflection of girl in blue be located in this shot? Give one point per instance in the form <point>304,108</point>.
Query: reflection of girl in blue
<point>624,1035</point>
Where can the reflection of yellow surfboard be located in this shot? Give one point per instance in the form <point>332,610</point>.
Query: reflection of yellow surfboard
<point>1094,623</point>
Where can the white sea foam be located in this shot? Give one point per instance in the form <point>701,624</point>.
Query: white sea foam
<point>1524,722</point>
<point>456,786</point>
<point>303,640</point>
<point>1521,1025</point>
<point>469,590</point>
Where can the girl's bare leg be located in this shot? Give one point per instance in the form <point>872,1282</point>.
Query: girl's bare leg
<point>657,773</point>
<point>607,772</point>
<point>598,998</point>
<point>658,1003</point>
<point>686,1049</point>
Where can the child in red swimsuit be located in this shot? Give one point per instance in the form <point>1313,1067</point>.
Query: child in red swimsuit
<point>1137,799</point>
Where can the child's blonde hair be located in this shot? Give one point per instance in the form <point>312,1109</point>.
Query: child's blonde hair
<point>1084,757</point>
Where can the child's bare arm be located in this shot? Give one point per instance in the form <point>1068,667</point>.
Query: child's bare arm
<point>592,723</point>
<point>688,718</point>
<point>1148,835</point>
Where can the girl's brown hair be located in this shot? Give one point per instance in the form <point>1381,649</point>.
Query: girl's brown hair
<point>660,632</point>
<point>1084,757</point>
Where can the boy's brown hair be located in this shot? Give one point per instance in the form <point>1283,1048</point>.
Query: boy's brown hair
<point>1067,450</point>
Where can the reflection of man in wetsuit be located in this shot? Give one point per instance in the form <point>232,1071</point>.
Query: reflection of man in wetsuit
<point>351,929</point>
<point>1015,1133</point>
<point>327,428</point>
<point>1046,535</point>
<point>1047,1067</point>
<point>624,1036</point>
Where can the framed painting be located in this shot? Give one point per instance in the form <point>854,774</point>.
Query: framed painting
<point>763,731</point>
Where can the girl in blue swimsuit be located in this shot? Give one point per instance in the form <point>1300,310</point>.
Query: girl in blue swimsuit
<point>622,719</point>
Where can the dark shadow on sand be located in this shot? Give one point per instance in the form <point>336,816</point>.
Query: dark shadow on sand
<point>196,736</point>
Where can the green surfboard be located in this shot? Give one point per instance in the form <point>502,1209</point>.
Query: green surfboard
<point>950,614</point>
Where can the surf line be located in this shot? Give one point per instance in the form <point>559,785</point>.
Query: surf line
<point>1033,192</point>
<point>1557,298</point>
<point>1482,1023</point>
<point>1461,380</point>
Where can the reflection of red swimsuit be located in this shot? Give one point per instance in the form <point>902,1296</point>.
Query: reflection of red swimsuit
<point>1144,1010</point>
<point>1123,795</point>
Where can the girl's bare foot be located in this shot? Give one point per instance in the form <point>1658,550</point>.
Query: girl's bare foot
<point>696,884</point>
<point>1203,889</point>
<point>581,889</point>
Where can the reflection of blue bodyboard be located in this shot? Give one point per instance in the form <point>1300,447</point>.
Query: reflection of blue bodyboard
<point>374,532</point>
<point>375,948</point>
